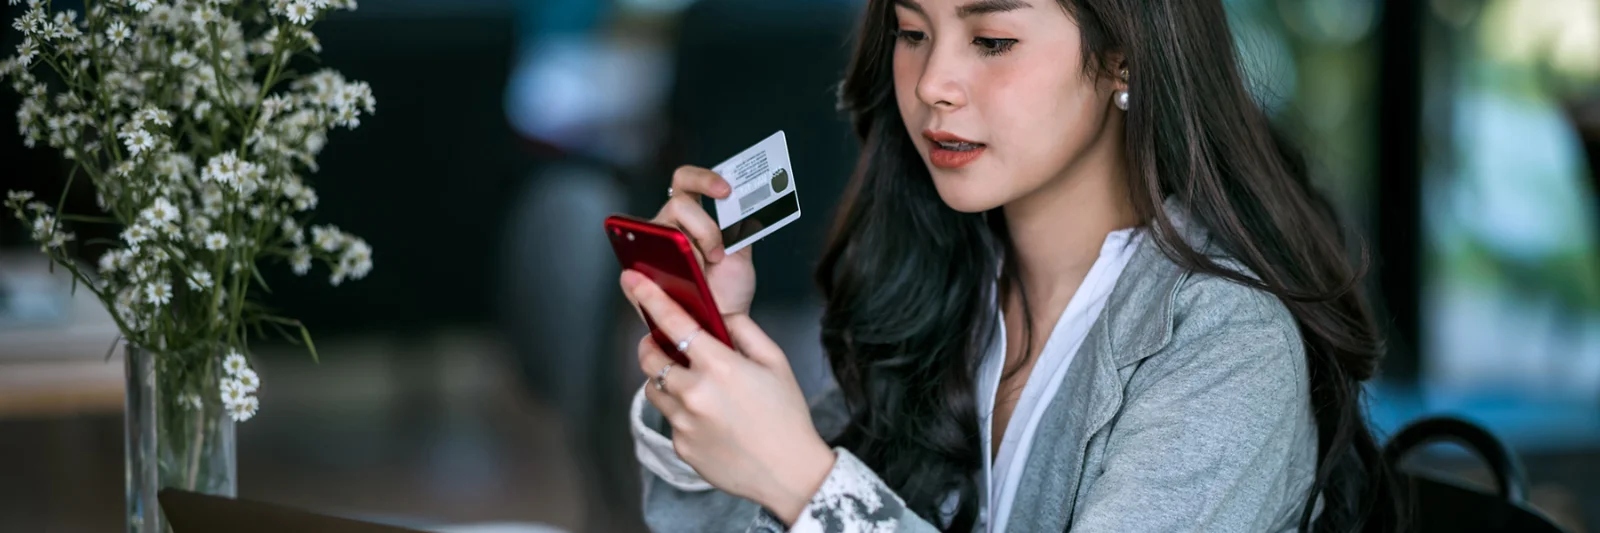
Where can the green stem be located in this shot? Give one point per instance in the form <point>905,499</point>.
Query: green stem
<point>197,444</point>
<point>272,78</point>
<point>233,220</point>
<point>225,83</point>
<point>71,176</point>
<point>89,219</point>
<point>61,72</point>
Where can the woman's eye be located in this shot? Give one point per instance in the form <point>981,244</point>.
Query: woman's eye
<point>993,47</point>
<point>910,37</point>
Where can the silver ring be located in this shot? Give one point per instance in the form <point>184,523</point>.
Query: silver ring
<point>669,192</point>
<point>683,345</point>
<point>661,378</point>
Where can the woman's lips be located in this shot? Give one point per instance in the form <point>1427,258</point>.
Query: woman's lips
<point>951,151</point>
<point>953,159</point>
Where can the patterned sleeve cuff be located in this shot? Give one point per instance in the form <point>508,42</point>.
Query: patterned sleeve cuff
<point>656,453</point>
<point>853,499</point>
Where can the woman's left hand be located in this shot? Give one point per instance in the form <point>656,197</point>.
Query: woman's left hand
<point>739,420</point>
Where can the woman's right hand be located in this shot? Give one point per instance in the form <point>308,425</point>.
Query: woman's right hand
<point>732,277</point>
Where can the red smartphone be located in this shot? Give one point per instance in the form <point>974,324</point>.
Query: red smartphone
<point>665,255</point>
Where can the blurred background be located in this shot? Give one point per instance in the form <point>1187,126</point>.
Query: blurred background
<point>478,380</point>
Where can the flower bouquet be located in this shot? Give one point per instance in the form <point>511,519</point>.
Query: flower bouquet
<point>195,125</point>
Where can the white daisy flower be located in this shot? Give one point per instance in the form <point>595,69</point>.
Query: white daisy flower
<point>60,239</point>
<point>275,104</point>
<point>153,115</point>
<point>216,241</point>
<point>136,234</point>
<point>165,17</point>
<point>247,183</point>
<point>248,381</point>
<point>143,6</point>
<point>202,17</point>
<point>156,293</point>
<point>291,187</point>
<point>234,363</point>
<point>306,200</point>
<point>232,392</point>
<point>161,211</point>
<point>19,197</point>
<point>108,262</point>
<point>300,261</point>
<point>328,238</point>
<point>26,51</point>
<point>118,32</point>
<point>245,409</point>
<point>200,225</point>
<point>123,169</point>
<point>212,197</point>
<point>222,168</point>
<point>44,228</point>
<point>300,12</point>
<point>124,304</point>
<point>138,141</point>
<point>200,280</point>
<point>357,259</point>
<point>184,59</point>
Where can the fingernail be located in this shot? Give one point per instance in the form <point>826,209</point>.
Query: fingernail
<point>718,254</point>
<point>723,189</point>
<point>631,279</point>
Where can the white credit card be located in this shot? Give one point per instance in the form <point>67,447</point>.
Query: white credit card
<point>764,197</point>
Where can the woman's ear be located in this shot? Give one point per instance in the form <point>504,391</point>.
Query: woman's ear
<point>1116,65</point>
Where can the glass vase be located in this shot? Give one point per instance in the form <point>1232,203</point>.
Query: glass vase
<point>179,434</point>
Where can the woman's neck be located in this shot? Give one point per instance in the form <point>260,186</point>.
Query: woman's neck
<point>1057,232</point>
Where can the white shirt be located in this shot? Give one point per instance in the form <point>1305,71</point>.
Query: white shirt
<point>1004,471</point>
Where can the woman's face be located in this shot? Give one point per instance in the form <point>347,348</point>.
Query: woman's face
<point>995,96</point>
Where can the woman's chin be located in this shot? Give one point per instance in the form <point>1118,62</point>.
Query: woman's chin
<point>968,199</point>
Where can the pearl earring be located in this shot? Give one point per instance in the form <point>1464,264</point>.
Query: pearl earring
<point>1121,97</point>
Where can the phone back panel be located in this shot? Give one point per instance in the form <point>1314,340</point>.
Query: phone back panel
<point>666,256</point>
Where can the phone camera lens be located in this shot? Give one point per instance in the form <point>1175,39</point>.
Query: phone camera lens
<point>630,236</point>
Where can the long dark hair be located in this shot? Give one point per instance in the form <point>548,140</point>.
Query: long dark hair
<point>907,278</point>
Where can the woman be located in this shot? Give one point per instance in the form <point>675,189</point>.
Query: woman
<point>1079,283</point>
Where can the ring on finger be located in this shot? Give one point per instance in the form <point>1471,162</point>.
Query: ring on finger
<point>661,378</point>
<point>683,345</point>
